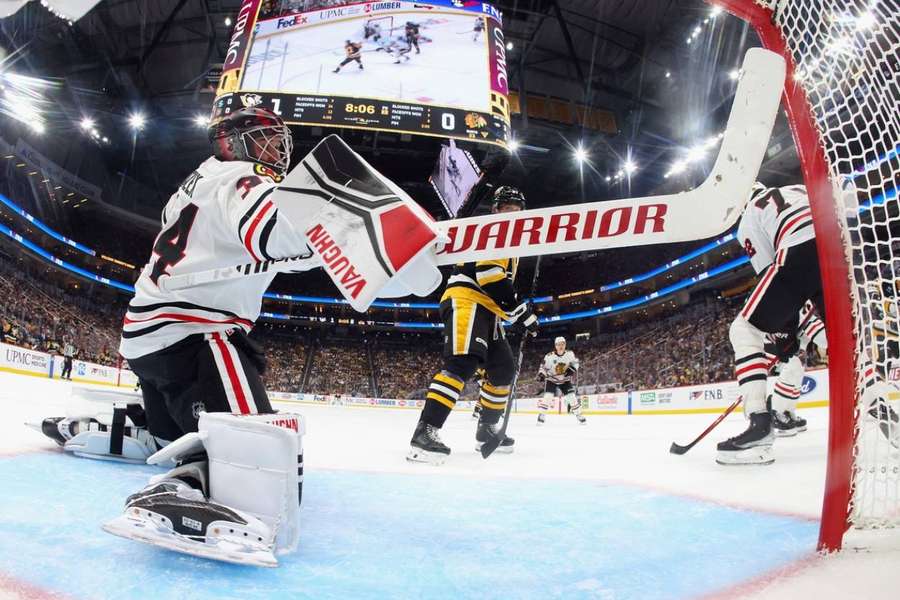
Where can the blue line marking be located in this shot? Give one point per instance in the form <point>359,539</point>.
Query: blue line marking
<point>380,535</point>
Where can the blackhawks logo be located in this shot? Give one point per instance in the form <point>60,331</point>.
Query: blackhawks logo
<point>267,172</point>
<point>475,121</point>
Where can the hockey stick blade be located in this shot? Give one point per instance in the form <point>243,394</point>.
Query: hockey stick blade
<point>679,449</point>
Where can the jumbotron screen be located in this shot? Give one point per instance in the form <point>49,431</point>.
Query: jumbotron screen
<point>433,68</point>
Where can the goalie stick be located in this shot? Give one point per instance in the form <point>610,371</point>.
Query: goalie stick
<point>703,212</point>
<point>489,446</point>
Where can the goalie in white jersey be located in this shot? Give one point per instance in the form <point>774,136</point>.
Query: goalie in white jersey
<point>558,371</point>
<point>234,494</point>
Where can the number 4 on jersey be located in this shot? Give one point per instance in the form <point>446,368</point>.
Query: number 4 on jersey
<point>170,245</point>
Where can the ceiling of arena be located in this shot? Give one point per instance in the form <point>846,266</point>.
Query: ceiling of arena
<point>628,57</point>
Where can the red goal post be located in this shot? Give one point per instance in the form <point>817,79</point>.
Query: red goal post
<point>820,42</point>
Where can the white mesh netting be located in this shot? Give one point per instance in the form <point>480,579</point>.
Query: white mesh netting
<point>846,58</point>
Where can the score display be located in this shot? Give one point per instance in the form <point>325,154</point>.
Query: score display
<point>424,68</point>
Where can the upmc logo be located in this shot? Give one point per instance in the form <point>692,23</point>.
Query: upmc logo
<point>809,384</point>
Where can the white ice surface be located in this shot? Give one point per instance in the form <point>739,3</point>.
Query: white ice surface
<point>631,450</point>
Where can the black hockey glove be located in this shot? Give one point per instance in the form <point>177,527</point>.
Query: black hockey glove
<point>541,377</point>
<point>570,372</point>
<point>251,349</point>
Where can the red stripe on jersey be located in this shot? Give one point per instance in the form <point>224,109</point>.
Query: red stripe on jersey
<point>189,319</point>
<point>760,288</point>
<point>806,214</point>
<point>232,375</point>
<point>248,238</point>
<point>752,367</point>
<point>790,392</point>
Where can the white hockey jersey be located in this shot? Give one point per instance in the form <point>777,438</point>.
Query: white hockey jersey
<point>779,220</point>
<point>219,217</point>
<point>559,368</point>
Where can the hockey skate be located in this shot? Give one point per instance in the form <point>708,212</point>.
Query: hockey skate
<point>753,447</point>
<point>172,514</point>
<point>581,419</point>
<point>784,425</point>
<point>799,421</point>
<point>487,431</point>
<point>541,419</point>
<point>426,445</point>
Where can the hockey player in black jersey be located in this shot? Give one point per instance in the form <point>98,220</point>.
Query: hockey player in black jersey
<point>478,298</point>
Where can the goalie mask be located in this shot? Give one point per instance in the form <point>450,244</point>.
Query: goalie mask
<point>253,134</point>
<point>507,194</point>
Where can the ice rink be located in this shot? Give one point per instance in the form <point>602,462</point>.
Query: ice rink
<point>451,69</point>
<point>595,511</point>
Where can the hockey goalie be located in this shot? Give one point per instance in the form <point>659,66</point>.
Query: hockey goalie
<point>205,409</point>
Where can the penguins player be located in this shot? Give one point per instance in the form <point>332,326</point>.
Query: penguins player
<point>478,297</point>
<point>557,371</point>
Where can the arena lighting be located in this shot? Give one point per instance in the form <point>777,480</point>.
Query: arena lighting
<point>580,154</point>
<point>137,121</point>
<point>509,45</point>
<point>513,145</point>
<point>629,167</point>
<point>227,21</point>
<point>87,124</point>
<point>668,74</point>
<point>201,121</point>
<point>716,11</point>
<point>734,74</point>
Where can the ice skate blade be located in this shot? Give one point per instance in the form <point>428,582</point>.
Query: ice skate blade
<point>423,456</point>
<point>786,433</point>
<point>758,455</point>
<point>220,549</point>
<point>499,450</point>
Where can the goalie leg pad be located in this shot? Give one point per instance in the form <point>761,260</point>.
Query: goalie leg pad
<point>255,471</point>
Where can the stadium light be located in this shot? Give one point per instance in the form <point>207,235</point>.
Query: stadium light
<point>513,146</point>
<point>137,121</point>
<point>734,74</point>
<point>87,124</point>
<point>227,21</point>
<point>668,74</point>
<point>509,45</point>
<point>105,140</point>
<point>716,11</point>
<point>629,167</point>
<point>38,127</point>
<point>201,120</point>
<point>581,154</point>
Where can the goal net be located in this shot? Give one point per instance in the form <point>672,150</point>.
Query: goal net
<point>842,95</point>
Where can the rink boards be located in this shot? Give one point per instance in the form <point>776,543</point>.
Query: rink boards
<point>708,398</point>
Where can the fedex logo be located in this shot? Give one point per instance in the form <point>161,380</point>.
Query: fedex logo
<point>291,21</point>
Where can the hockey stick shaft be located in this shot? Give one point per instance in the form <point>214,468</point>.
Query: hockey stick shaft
<point>488,447</point>
<point>704,212</point>
<point>679,449</point>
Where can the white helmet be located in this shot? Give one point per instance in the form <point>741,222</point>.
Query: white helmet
<point>559,339</point>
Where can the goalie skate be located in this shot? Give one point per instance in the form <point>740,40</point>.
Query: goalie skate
<point>174,516</point>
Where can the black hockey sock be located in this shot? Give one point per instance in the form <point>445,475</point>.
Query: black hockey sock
<point>493,399</point>
<point>443,392</point>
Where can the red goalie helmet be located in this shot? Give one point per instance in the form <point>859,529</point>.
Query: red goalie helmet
<point>254,134</point>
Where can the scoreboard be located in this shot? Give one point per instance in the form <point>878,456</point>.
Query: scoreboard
<point>424,68</point>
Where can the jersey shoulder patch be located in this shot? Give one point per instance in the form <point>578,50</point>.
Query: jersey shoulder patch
<point>267,172</point>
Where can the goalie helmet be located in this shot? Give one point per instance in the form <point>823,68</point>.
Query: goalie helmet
<point>253,134</point>
<point>507,194</point>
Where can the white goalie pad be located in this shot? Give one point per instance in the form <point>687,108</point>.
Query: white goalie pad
<point>252,478</point>
<point>255,464</point>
